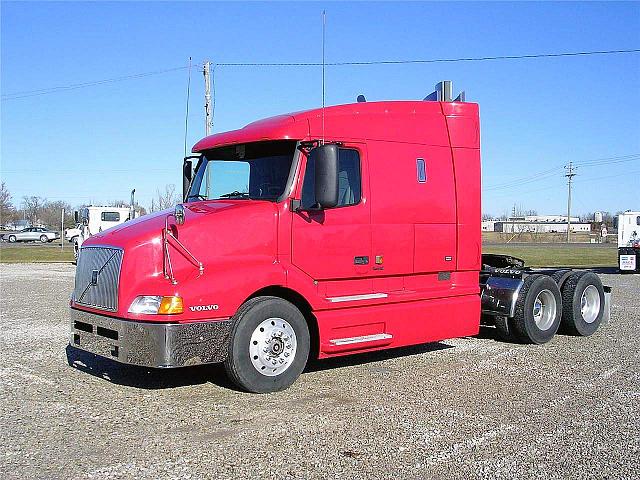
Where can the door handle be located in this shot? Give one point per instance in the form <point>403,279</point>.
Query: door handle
<point>361,260</point>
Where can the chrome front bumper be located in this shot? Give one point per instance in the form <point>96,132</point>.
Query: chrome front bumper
<point>159,345</point>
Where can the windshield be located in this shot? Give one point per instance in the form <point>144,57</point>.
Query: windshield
<point>257,171</point>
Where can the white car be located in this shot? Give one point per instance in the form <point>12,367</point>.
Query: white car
<point>32,234</point>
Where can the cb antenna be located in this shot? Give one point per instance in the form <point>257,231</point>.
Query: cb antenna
<point>186,116</point>
<point>324,22</point>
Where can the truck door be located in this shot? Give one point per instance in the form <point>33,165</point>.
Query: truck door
<point>335,243</point>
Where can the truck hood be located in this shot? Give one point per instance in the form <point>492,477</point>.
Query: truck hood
<point>199,218</point>
<point>222,235</point>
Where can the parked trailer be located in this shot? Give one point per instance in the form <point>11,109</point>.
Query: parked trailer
<point>319,234</point>
<point>629,242</point>
<point>94,219</point>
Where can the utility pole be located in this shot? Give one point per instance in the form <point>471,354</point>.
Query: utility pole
<point>571,172</point>
<point>62,231</point>
<point>207,98</point>
<point>132,206</point>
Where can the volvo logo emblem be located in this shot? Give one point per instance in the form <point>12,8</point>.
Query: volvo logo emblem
<point>94,278</point>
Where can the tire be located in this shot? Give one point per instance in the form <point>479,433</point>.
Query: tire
<point>264,330</point>
<point>504,330</point>
<point>538,310</point>
<point>559,276</point>
<point>44,238</point>
<point>583,304</point>
<point>12,239</point>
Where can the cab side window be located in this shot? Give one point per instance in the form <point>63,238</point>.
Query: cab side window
<point>349,180</point>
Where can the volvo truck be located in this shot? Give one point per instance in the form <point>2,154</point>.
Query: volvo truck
<point>317,234</point>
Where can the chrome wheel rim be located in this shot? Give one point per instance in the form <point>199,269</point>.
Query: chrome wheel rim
<point>544,310</point>
<point>273,346</point>
<point>590,304</point>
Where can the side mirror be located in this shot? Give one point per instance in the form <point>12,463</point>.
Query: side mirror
<point>187,173</point>
<point>326,175</point>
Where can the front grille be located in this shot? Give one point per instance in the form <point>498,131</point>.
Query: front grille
<point>97,277</point>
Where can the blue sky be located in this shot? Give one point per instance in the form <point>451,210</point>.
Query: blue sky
<point>95,144</point>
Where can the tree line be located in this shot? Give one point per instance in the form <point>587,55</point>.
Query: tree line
<point>38,210</point>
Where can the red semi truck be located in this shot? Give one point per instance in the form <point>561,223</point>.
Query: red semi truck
<point>318,234</point>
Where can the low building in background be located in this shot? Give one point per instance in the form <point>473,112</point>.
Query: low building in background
<point>539,224</point>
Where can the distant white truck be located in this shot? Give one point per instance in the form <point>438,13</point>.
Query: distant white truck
<point>92,220</point>
<point>629,241</point>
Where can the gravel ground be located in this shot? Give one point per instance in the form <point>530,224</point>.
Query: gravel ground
<point>465,408</point>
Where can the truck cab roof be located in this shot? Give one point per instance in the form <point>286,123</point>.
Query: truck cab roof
<point>408,121</point>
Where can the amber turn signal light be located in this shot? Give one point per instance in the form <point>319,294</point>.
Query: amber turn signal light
<point>170,306</point>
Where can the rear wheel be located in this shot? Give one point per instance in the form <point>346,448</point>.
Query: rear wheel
<point>538,310</point>
<point>268,346</point>
<point>583,300</point>
<point>503,328</point>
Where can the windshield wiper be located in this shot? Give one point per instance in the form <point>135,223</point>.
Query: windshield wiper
<point>235,194</point>
<point>195,195</point>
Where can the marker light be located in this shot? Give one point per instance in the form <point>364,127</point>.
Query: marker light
<point>156,305</point>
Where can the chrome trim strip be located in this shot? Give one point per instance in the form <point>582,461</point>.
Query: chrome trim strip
<point>361,339</point>
<point>353,298</point>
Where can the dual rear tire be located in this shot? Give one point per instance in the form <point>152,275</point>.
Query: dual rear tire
<point>538,310</point>
<point>542,308</point>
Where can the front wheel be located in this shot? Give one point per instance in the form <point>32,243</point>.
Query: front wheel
<point>268,345</point>
<point>12,239</point>
<point>44,238</point>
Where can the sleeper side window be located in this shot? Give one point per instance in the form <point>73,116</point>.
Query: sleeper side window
<point>349,180</point>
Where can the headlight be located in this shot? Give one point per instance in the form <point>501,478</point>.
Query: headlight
<point>157,305</point>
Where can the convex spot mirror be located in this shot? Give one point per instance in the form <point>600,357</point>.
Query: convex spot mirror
<point>326,175</point>
<point>178,213</point>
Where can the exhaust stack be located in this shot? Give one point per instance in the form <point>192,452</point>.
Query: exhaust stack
<point>443,93</point>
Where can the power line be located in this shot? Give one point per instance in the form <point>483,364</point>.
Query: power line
<point>432,60</point>
<point>546,174</point>
<point>578,181</point>
<point>525,180</point>
<point>610,160</point>
<point>62,88</point>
